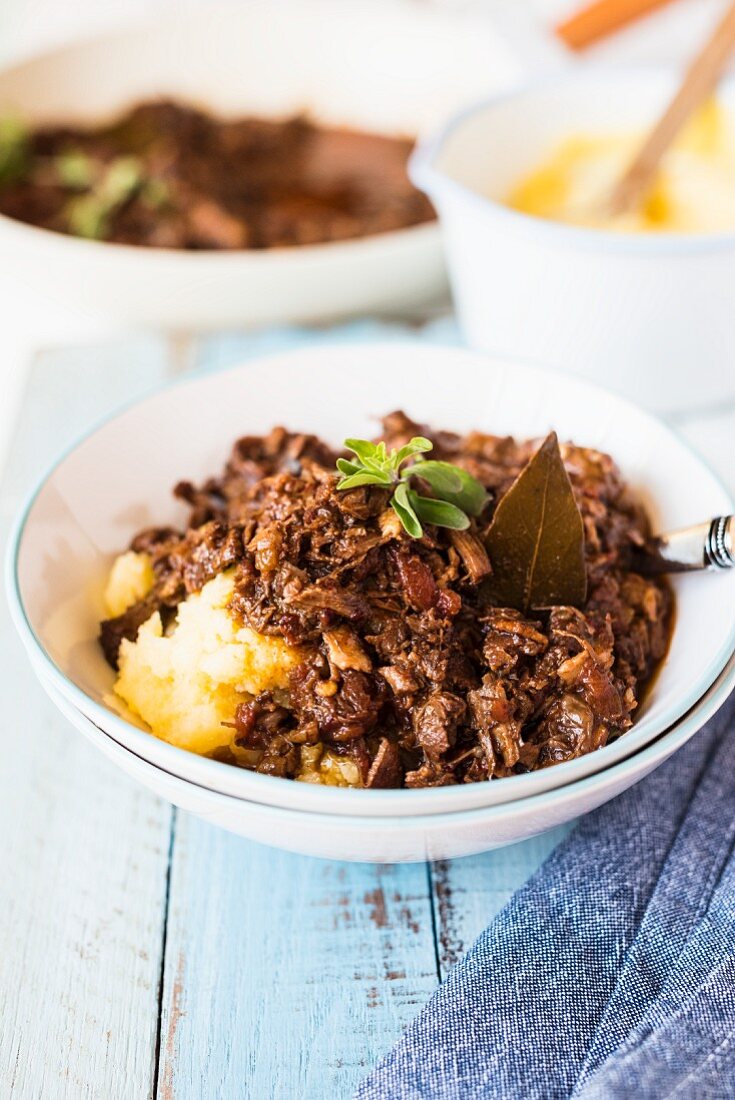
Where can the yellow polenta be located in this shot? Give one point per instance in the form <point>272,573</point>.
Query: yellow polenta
<point>131,578</point>
<point>186,682</point>
<point>693,192</point>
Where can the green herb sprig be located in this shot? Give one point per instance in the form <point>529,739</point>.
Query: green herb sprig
<point>13,149</point>
<point>90,214</point>
<point>105,190</point>
<point>457,495</point>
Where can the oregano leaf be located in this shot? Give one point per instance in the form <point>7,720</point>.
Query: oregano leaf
<point>441,476</point>
<point>364,477</point>
<point>403,507</point>
<point>363,448</point>
<point>346,467</point>
<point>439,512</point>
<point>457,494</point>
<point>418,445</point>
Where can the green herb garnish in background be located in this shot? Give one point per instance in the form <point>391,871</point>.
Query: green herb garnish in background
<point>75,170</point>
<point>156,193</point>
<point>90,214</point>
<point>106,189</point>
<point>13,149</point>
<point>457,495</point>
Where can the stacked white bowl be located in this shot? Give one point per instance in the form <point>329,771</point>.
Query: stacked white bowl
<point>118,479</point>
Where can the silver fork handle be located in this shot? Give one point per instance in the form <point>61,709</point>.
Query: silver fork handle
<point>719,546</point>
<point>705,545</point>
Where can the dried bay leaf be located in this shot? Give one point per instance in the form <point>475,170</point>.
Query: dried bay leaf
<point>536,539</point>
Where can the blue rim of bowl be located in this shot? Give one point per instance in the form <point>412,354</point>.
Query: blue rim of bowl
<point>686,727</point>
<point>430,179</point>
<point>90,707</point>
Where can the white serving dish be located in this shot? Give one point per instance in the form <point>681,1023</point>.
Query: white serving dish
<point>118,479</point>
<point>404,838</point>
<point>394,67</point>
<point>647,315</point>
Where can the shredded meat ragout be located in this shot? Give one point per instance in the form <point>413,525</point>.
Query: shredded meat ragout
<point>211,183</point>
<point>413,677</point>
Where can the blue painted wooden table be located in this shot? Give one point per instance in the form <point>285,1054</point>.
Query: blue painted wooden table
<point>145,953</point>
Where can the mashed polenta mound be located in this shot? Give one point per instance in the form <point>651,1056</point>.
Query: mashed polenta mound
<point>186,682</point>
<point>131,579</point>
<point>693,192</point>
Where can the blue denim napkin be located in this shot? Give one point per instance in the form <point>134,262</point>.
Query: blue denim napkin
<point>611,973</point>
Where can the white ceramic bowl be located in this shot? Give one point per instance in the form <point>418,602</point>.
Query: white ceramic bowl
<point>400,838</point>
<point>118,479</point>
<point>394,67</point>
<point>647,315</point>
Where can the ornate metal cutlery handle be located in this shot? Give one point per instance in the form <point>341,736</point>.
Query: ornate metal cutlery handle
<point>719,547</point>
<point>709,545</point>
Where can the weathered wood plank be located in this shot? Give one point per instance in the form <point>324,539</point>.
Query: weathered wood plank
<point>67,392</point>
<point>229,349</point>
<point>468,893</point>
<point>285,976</point>
<point>84,851</point>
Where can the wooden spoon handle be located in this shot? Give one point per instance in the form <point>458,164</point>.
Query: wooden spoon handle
<point>602,17</point>
<point>700,81</point>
